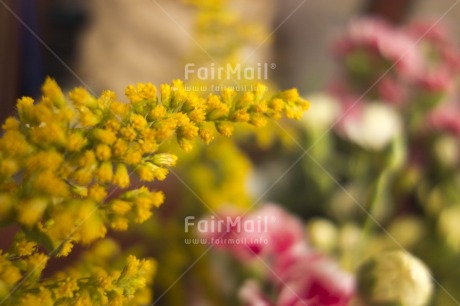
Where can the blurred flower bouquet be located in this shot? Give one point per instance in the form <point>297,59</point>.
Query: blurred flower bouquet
<point>371,216</point>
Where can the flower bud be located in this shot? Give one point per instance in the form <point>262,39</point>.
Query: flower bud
<point>164,159</point>
<point>394,278</point>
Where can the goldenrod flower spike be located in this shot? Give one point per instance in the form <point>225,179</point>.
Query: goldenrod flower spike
<point>76,150</point>
<point>61,159</point>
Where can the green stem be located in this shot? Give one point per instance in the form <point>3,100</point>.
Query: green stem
<point>375,200</point>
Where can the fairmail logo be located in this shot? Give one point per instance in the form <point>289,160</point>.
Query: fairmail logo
<point>236,72</point>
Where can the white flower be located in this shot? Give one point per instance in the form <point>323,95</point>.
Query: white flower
<point>376,127</point>
<point>395,278</point>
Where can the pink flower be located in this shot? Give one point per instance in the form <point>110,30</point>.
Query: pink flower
<point>307,276</point>
<point>363,32</point>
<point>438,79</point>
<point>391,44</point>
<point>392,91</point>
<point>284,230</point>
<point>297,274</point>
<point>422,56</point>
<point>446,119</point>
<point>251,294</point>
<point>308,279</point>
<point>442,58</point>
<point>267,230</point>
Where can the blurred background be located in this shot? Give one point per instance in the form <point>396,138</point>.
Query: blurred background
<point>109,45</point>
<point>102,46</point>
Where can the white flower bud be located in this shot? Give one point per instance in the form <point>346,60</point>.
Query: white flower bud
<point>377,127</point>
<point>394,278</point>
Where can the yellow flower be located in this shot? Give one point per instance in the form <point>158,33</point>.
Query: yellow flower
<point>216,109</point>
<point>97,193</point>
<point>119,108</point>
<point>141,92</point>
<point>241,115</point>
<point>83,299</point>
<point>87,159</point>
<point>165,90</point>
<point>228,94</point>
<point>104,102</point>
<point>188,131</point>
<point>45,160</point>
<point>81,97</point>
<point>133,156</point>
<point>105,136</point>
<point>197,115</point>
<point>185,144</point>
<point>48,133</point>
<point>277,105</point>
<point>121,177</point>
<point>112,125</point>
<point>149,91</point>
<point>225,128</point>
<point>132,266</point>
<point>148,172</point>
<point>164,159</point>
<point>120,147</point>
<point>90,225</point>
<point>120,207</point>
<point>43,297</point>
<point>13,143</point>
<point>24,247</point>
<point>65,248</point>
<point>128,133</point>
<point>35,263</point>
<point>157,198</point>
<point>51,89</point>
<point>139,123</point>
<point>66,164</point>
<point>103,152</point>
<point>104,173</point>
<point>83,176</point>
<point>87,117</point>
<point>143,208</point>
<point>9,274</point>
<point>258,120</point>
<point>119,224</point>
<point>290,94</point>
<point>206,134</point>
<point>157,113</point>
<point>47,182</point>
<point>166,129</point>
<point>31,211</point>
<point>148,146</point>
<point>79,190</point>
<point>75,142</point>
<point>246,100</point>
<point>11,123</point>
<point>145,173</point>
<point>67,288</point>
<point>25,108</point>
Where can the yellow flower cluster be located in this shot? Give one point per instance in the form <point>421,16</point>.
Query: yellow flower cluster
<point>63,158</point>
<point>87,283</point>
